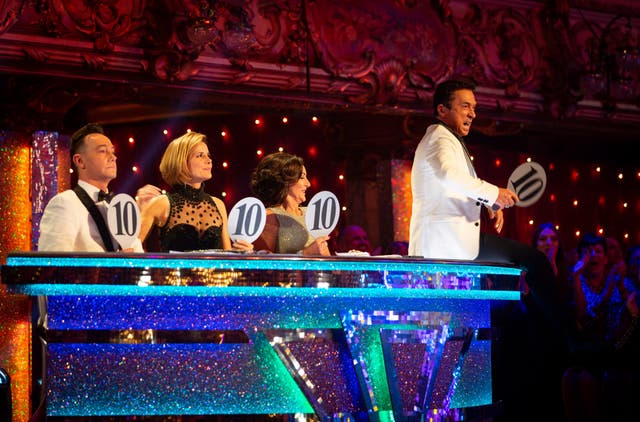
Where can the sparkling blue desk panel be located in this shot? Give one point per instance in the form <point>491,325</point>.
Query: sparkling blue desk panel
<point>211,333</point>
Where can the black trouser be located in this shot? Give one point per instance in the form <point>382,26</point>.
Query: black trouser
<point>539,274</point>
<point>529,356</point>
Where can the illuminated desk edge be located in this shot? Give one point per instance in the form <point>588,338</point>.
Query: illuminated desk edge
<point>249,291</point>
<point>256,262</point>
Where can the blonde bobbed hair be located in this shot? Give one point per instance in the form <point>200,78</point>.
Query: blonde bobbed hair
<point>173,166</point>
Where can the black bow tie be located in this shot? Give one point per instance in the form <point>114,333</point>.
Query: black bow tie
<point>105,196</point>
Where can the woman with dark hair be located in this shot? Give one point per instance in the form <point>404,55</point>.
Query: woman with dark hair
<point>280,182</point>
<point>546,239</point>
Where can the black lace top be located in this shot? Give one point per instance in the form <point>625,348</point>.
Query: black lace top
<point>194,221</point>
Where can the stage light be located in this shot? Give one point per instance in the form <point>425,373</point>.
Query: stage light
<point>574,175</point>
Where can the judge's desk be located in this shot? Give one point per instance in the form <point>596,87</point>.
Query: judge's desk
<point>215,333</point>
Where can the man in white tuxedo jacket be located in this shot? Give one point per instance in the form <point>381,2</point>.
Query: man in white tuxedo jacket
<point>447,193</point>
<point>448,197</point>
<point>67,225</point>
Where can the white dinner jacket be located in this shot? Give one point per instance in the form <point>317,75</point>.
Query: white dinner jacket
<point>447,198</point>
<point>67,226</point>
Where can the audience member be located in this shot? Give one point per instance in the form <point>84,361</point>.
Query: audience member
<point>397,247</point>
<point>621,381</point>
<point>353,238</point>
<point>595,310</point>
<point>547,341</point>
<point>76,220</point>
<point>280,182</point>
<point>547,240</point>
<point>189,219</point>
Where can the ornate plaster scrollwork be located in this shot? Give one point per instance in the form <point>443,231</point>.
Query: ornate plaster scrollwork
<point>609,53</point>
<point>559,71</point>
<point>106,22</point>
<point>179,32</point>
<point>183,29</point>
<point>390,48</point>
<point>9,13</point>
<point>497,48</point>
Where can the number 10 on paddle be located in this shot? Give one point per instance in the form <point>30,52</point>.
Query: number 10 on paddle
<point>123,219</point>
<point>247,219</point>
<point>322,214</point>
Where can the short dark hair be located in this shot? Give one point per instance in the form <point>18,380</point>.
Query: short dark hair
<point>444,92</point>
<point>591,239</point>
<point>273,175</point>
<point>77,139</point>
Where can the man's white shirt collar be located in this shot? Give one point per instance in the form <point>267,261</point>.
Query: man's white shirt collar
<point>90,189</point>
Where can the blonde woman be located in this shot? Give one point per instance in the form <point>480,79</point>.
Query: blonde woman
<point>189,219</point>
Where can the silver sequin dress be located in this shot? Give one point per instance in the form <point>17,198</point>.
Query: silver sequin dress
<point>293,235</point>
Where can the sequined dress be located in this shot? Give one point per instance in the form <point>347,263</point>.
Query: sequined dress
<point>194,222</point>
<point>293,235</point>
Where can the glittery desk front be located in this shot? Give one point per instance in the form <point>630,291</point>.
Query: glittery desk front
<point>197,334</point>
